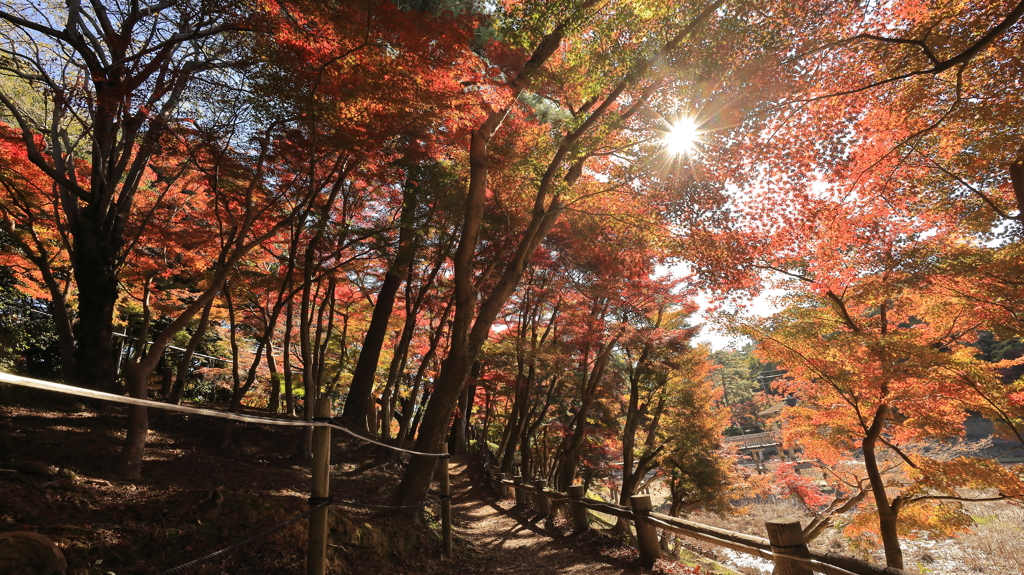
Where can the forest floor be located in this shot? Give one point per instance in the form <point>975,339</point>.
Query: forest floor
<point>196,497</point>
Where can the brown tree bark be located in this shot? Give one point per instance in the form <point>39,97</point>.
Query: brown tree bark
<point>472,323</point>
<point>286,353</point>
<point>185,364</point>
<point>572,449</point>
<point>361,387</point>
<point>132,86</point>
<point>274,399</point>
<point>888,513</point>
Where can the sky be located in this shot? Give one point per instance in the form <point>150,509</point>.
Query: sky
<point>712,333</point>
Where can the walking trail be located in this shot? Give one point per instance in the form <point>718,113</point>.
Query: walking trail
<point>509,541</point>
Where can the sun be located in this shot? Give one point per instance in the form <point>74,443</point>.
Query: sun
<point>682,137</point>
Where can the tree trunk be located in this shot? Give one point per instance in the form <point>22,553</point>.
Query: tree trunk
<point>457,436</point>
<point>130,465</point>
<point>408,426</point>
<point>143,363</point>
<point>887,514</point>
<point>632,476</point>
<point>286,354</point>
<point>359,399</point>
<point>414,427</point>
<point>185,365</point>
<point>167,378</point>
<point>94,332</point>
<point>472,322</point>
<point>401,358</point>
<point>515,424</point>
<point>274,401</point>
<point>470,399</point>
<point>566,472</point>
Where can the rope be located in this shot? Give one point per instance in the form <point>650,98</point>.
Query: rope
<point>335,425</point>
<point>185,567</point>
<point>81,392</point>
<point>315,503</point>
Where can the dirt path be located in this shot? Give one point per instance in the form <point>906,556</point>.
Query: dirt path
<point>503,540</point>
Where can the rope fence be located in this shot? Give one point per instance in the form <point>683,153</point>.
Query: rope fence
<point>785,545</point>
<point>323,422</point>
<point>149,403</point>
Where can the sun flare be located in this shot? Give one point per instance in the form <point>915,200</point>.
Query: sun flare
<point>682,137</point>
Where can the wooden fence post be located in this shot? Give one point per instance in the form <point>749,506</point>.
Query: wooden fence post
<point>502,488</point>
<point>446,506</point>
<point>580,515</point>
<point>646,534</point>
<point>316,550</point>
<point>787,538</point>
<point>540,501</point>
<point>520,492</point>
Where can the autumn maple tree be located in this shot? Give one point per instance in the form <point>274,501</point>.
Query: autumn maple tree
<point>445,216</point>
<point>125,72</point>
<point>589,116</point>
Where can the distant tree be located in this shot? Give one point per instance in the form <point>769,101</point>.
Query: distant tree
<point>874,376</point>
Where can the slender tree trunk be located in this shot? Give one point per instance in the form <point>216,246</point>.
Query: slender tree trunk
<point>386,403</point>
<point>286,354</point>
<point>185,364</point>
<point>404,423</point>
<point>236,378</point>
<point>407,431</point>
<point>274,400</point>
<point>61,321</point>
<point>389,398</point>
<point>571,453</point>
<point>306,352</point>
<point>137,377</point>
<point>531,432</point>
<point>359,399</point>
<point>457,436</point>
<point>632,476</point>
<point>414,428</point>
<point>399,362</point>
<point>511,435</point>
<point>250,376</point>
<point>887,514</point>
<point>37,251</point>
<point>468,410</point>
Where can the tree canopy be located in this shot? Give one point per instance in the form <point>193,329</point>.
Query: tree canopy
<point>499,218</point>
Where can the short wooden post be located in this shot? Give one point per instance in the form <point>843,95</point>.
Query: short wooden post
<point>787,538</point>
<point>759,462</point>
<point>580,515</point>
<point>646,534</point>
<point>502,488</point>
<point>446,506</point>
<point>540,500</point>
<point>520,492</point>
<point>316,559</point>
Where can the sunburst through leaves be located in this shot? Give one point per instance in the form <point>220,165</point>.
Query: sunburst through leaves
<point>682,137</point>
